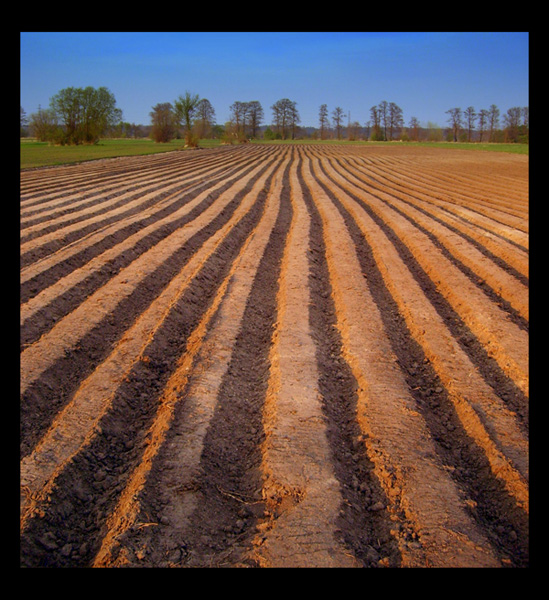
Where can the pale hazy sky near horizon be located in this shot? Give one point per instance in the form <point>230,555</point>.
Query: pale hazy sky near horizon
<point>425,73</point>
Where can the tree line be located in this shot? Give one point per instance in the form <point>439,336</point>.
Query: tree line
<point>243,125</point>
<point>486,123</point>
<point>75,116</point>
<point>84,115</point>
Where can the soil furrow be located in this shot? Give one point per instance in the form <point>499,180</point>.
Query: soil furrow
<point>73,255</point>
<point>302,495</point>
<point>503,340</point>
<point>365,530</point>
<point>481,411</point>
<point>175,465</point>
<point>444,197</point>
<point>111,210</point>
<point>488,367</point>
<point>488,192</point>
<point>50,242</point>
<point>150,357</point>
<point>75,282</point>
<point>221,523</point>
<point>453,378</point>
<point>230,463</point>
<point>53,366</point>
<point>394,433</point>
<point>79,175</point>
<point>505,253</point>
<point>297,356</point>
<point>499,286</point>
<point>76,205</point>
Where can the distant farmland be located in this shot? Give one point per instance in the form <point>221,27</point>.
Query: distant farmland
<point>41,154</point>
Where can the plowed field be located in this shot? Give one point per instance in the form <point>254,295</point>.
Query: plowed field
<point>275,356</point>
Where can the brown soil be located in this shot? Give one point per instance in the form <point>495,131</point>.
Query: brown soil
<point>269,356</point>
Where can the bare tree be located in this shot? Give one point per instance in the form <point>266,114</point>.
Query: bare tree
<point>239,112</point>
<point>377,133</point>
<point>482,118</point>
<point>414,129</point>
<point>367,127</point>
<point>353,132</point>
<point>337,117</point>
<point>493,121</point>
<point>294,119</point>
<point>323,121</point>
<point>395,119</point>
<point>512,121</point>
<point>455,121</point>
<point>525,116</point>
<point>383,109</point>
<point>205,118</point>
<point>285,117</point>
<point>245,118</point>
<point>256,115</point>
<point>470,116</point>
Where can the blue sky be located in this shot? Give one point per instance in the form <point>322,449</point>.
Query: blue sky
<point>425,73</point>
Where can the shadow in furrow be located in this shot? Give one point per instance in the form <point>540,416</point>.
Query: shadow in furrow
<point>222,527</point>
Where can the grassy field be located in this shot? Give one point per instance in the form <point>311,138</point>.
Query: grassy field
<point>41,154</point>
